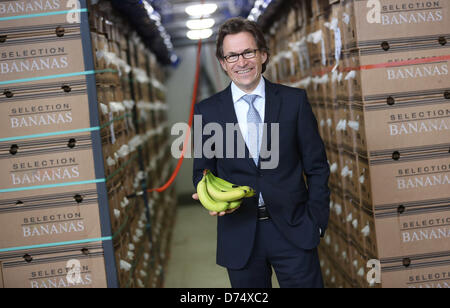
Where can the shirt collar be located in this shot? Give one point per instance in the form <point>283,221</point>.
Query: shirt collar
<point>237,93</point>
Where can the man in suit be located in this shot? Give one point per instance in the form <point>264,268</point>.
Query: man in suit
<point>281,225</point>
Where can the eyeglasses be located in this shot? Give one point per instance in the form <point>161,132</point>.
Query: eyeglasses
<point>248,54</point>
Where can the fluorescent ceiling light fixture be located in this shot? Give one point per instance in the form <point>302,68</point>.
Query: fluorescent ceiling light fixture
<point>199,34</point>
<point>258,9</point>
<point>155,17</point>
<point>198,24</point>
<point>148,7</point>
<point>199,10</point>
<point>258,3</point>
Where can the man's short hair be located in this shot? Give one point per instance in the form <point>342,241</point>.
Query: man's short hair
<point>236,25</point>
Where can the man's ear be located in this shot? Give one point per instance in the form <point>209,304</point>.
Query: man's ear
<point>264,57</point>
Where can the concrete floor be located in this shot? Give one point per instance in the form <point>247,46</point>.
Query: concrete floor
<point>192,262</point>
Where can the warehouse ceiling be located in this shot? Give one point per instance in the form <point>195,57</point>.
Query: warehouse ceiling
<point>162,23</point>
<point>174,17</point>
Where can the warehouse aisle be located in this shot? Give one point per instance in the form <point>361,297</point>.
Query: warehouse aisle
<point>192,262</point>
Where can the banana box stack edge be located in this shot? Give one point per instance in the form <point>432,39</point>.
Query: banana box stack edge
<point>377,80</point>
<point>75,161</point>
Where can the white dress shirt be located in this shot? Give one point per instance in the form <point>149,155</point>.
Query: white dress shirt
<point>241,108</point>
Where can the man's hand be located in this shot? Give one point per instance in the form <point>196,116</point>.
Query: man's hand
<point>195,197</point>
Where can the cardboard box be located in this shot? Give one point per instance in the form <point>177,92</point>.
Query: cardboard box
<point>105,57</point>
<point>130,241</point>
<point>358,265</point>
<point>407,122</point>
<point>325,268</point>
<point>397,21</point>
<point>142,275</point>
<point>52,218</point>
<point>349,76</point>
<point>44,108</point>
<point>337,125</point>
<point>334,33</point>
<point>328,123</point>
<point>357,128</point>
<point>418,271</point>
<point>398,71</point>
<point>353,219</point>
<point>340,245</point>
<point>410,174</point>
<point>349,174</point>
<point>121,206</point>
<point>9,9</point>
<point>322,124</point>
<point>34,57</point>
<point>50,30</point>
<point>292,19</point>
<point>365,181</point>
<point>54,267</point>
<point>345,116</point>
<point>335,166</point>
<point>319,7</point>
<point>334,274</point>
<point>368,231</point>
<point>45,161</point>
<point>347,24</point>
<point>315,41</point>
<point>413,228</point>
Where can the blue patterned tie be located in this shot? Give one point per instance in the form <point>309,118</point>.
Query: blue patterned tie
<point>253,122</point>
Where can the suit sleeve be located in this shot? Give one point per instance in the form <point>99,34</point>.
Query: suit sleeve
<point>315,164</point>
<point>200,161</point>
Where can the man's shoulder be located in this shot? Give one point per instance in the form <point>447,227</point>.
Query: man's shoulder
<point>212,99</point>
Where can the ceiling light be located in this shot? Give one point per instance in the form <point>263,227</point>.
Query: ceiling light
<point>199,34</point>
<point>148,7</point>
<point>155,17</point>
<point>198,24</point>
<point>199,10</point>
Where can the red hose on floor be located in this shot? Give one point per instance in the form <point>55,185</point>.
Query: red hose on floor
<point>191,117</point>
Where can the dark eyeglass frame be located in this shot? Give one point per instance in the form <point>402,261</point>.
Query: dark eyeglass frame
<point>252,53</point>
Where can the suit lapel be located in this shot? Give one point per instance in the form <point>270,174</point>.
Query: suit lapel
<point>272,110</point>
<point>273,102</point>
<point>227,112</point>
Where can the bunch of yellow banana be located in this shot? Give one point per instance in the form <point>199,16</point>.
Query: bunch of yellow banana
<point>218,195</point>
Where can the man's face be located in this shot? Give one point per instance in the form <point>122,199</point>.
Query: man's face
<point>245,73</point>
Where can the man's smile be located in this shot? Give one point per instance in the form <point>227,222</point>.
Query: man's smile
<point>243,72</point>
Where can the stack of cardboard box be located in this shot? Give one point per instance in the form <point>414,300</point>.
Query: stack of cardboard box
<point>73,200</point>
<point>379,86</point>
<point>49,194</point>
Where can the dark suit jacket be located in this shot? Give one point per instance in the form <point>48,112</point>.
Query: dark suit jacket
<point>297,208</point>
